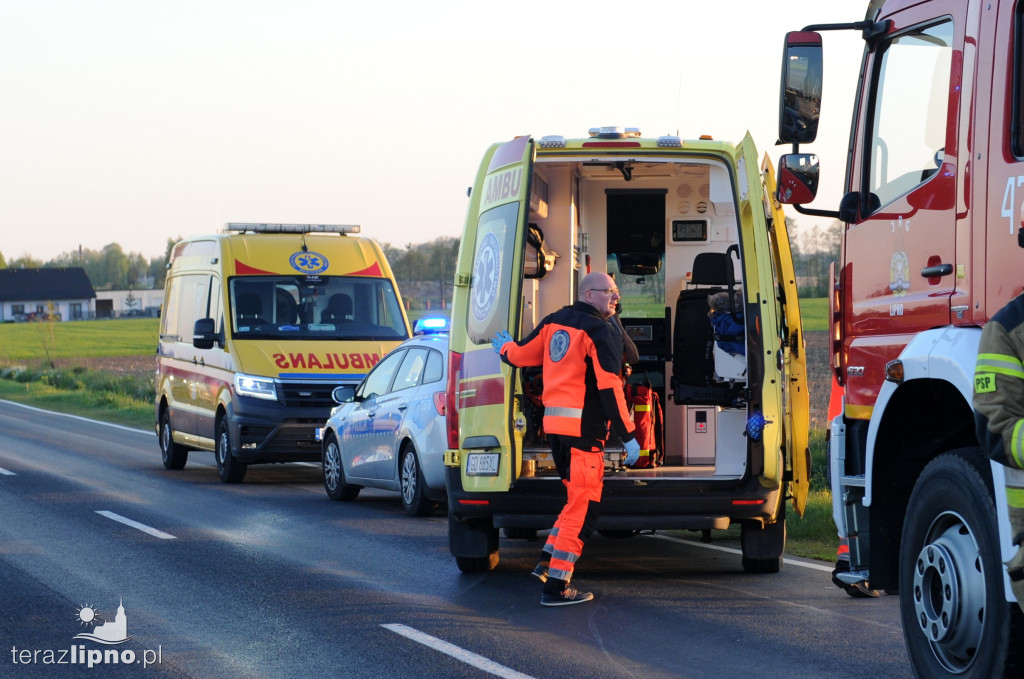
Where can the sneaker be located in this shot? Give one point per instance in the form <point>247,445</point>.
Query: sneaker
<point>540,571</point>
<point>569,595</point>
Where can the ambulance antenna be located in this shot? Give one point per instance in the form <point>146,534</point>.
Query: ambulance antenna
<point>679,97</point>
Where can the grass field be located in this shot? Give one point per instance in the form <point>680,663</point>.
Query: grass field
<point>77,339</point>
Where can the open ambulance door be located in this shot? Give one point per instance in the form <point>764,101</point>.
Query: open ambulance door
<point>794,384</point>
<point>490,448</point>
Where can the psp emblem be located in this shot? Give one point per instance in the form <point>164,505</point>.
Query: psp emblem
<point>559,345</point>
<point>308,262</point>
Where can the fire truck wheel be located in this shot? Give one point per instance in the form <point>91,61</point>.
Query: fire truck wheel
<point>956,620</point>
<point>174,455</point>
<point>230,469</point>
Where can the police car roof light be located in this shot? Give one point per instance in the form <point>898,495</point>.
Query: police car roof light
<point>431,325</point>
<point>291,228</point>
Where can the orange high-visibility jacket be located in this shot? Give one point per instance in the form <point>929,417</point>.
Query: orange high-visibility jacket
<point>581,356</point>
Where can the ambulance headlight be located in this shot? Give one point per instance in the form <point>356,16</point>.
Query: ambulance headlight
<point>256,387</point>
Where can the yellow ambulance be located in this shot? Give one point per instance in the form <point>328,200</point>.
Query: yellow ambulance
<point>681,225</point>
<point>259,324</point>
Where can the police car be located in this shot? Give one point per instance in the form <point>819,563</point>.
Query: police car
<point>389,431</point>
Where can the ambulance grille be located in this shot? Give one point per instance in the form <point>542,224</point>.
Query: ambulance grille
<point>306,394</point>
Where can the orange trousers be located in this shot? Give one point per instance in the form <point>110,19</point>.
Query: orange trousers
<point>578,518</point>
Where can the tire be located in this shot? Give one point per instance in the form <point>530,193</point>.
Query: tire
<point>230,469</point>
<point>763,546</point>
<point>956,620</point>
<point>473,544</point>
<point>517,533</point>
<point>174,455</point>
<point>410,478</point>
<point>334,472</point>
<point>618,534</point>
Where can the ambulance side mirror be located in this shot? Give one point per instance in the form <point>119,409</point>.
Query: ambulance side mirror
<point>204,334</point>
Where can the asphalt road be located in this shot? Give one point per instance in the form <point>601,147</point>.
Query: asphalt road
<point>269,578</point>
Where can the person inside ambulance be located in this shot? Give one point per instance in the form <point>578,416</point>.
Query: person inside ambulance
<point>999,417</point>
<point>580,352</point>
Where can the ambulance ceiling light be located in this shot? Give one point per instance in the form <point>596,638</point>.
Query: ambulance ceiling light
<point>552,141</point>
<point>291,228</point>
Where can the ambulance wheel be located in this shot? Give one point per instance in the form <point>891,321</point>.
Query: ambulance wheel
<point>519,533</point>
<point>956,620</point>
<point>230,469</point>
<point>618,534</point>
<point>334,472</point>
<point>763,546</point>
<point>414,498</point>
<point>174,455</point>
<point>473,543</point>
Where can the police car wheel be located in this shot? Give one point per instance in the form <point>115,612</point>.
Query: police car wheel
<point>334,472</point>
<point>230,469</point>
<point>414,499</point>
<point>174,455</point>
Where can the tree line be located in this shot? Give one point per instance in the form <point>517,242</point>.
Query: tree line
<point>424,271</point>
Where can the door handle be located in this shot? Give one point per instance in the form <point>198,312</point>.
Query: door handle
<point>403,406</point>
<point>937,270</point>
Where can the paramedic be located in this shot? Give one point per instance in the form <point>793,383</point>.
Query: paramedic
<point>581,357</point>
<point>999,417</point>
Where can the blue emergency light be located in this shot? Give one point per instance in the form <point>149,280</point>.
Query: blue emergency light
<point>430,325</point>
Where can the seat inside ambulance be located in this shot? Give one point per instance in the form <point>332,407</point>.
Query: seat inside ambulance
<point>695,380</point>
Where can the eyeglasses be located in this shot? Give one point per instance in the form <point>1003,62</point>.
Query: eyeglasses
<point>607,291</point>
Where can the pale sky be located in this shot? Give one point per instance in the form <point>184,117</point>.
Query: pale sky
<point>135,121</point>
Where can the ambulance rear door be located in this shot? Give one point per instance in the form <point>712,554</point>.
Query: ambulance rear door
<point>491,450</point>
<point>796,401</point>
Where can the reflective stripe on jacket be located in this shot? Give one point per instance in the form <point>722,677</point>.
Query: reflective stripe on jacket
<point>999,386</point>
<point>581,356</point>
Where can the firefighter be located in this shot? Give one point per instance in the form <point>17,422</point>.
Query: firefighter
<point>999,417</point>
<point>580,352</point>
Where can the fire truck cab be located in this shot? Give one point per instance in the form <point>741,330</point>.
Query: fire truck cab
<point>930,224</point>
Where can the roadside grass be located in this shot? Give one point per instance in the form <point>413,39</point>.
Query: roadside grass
<point>28,375</point>
<point>95,395</point>
<point>814,313</point>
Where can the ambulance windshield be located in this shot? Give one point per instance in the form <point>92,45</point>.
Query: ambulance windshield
<point>315,307</point>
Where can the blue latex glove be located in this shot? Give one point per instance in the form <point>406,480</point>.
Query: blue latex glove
<point>500,340</point>
<point>632,451</point>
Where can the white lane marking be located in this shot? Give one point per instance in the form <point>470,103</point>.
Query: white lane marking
<point>135,524</point>
<point>5,472</point>
<point>733,550</point>
<point>78,417</point>
<point>460,654</point>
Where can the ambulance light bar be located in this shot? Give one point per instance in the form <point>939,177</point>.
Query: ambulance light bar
<point>292,228</point>
<point>669,140</point>
<point>552,141</point>
<point>614,132</point>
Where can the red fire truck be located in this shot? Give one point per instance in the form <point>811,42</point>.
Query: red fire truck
<point>932,217</point>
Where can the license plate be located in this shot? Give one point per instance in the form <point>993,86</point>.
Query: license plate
<point>482,464</point>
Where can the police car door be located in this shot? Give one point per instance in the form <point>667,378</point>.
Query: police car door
<point>492,448</point>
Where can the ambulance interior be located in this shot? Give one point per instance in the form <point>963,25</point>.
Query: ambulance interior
<point>668,234</point>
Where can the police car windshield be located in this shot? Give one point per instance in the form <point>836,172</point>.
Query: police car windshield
<point>315,307</point>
